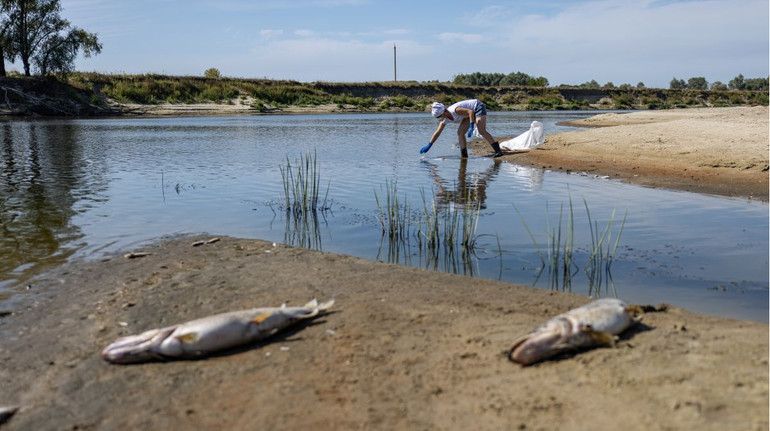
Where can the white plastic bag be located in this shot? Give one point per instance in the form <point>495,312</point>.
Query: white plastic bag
<point>528,140</point>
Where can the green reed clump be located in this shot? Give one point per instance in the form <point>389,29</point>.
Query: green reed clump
<point>559,260</point>
<point>602,251</point>
<point>394,214</point>
<point>302,185</point>
<point>443,234</point>
<point>452,227</point>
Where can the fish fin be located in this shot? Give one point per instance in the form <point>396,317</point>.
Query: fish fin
<point>599,337</point>
<point>325,305</point>
<point>635,311</point>
<point>312,304</point>
<point>261,317</point>
<point>189,337</point>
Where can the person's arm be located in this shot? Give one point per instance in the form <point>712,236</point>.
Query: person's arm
<point>465,112</point>
<point>433,138</point>
<point>438,131</point>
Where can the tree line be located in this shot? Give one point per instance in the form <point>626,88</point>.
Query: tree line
<point>34,32</point>
<point>524,80</point>
<point>737,83</point>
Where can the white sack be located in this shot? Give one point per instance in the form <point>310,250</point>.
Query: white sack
<point>528,140</point>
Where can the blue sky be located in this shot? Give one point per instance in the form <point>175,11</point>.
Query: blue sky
<point>568,42</point>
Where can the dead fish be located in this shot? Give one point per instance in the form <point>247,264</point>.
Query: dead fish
<point>6,412</point>
<point>204,336</point>
<point>594,324</point>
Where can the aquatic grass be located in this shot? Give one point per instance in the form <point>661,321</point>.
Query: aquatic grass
<point>559,259</point>
<point>602,253</point>
<point>448,230</point>
<point>394,214</point>
<point>301,185</point>
<point>304,230</point>
<point>444,235</point>
<point>302,202</point>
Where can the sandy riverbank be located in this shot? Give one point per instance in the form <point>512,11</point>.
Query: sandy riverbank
<point>404,349</point>
<point>722,151</point>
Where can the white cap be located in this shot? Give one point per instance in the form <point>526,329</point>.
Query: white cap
<point>437,108</point>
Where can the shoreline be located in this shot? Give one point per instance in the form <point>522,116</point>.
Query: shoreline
<point>403,348</point>
<point>719,151</point>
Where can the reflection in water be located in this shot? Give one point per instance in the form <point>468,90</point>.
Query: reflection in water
<point>465,190</point>
<point>445,237</point>
<point>303,229</point>
<point>41,169</point>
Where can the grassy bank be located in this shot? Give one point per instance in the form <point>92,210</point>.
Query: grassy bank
<point>101,93</point>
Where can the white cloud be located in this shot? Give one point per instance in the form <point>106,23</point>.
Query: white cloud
<point>270,34</point>
<point>460,37</point>
<point>621,41</point>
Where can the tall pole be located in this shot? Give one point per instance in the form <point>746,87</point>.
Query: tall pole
<point>395,77</point>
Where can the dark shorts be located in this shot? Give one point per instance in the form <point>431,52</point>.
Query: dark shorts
<point>480,110</point>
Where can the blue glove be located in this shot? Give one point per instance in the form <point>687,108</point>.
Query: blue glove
<point>470,131</point>
<point>425,149</point>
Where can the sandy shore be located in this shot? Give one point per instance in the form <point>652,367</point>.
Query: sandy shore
<point>722,151</point>
<point>405,348</point>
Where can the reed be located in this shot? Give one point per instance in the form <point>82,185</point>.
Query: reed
<point>444,235</point>
<point>393,212</point>
<point>559,260</point>
<point>449,228</point>
<point>602,253</point>
<point>302,184</point>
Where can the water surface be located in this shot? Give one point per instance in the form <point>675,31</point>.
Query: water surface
<point>86,188</point>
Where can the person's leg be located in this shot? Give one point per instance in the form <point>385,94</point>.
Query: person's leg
<point>481,124</point>
<point>461,131</point>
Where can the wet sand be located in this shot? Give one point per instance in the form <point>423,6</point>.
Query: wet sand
<point>403,349</point>
<point>721,151</point>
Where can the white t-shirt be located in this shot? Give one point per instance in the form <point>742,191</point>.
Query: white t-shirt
<point>471,104</point>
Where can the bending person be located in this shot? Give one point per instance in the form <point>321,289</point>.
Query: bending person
<point>468,113</point>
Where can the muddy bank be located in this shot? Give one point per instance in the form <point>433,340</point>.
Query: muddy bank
<point>405,348</point>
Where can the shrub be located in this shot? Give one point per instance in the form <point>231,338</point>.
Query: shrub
<point>212,73</point>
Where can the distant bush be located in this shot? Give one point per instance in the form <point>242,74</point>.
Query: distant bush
<point>212,73</point>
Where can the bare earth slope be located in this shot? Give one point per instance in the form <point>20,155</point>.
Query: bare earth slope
<point>404,349</point>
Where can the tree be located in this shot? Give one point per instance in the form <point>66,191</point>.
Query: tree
<point>756,84</point>
<point>39,36</point>
<point>677,84</point>
<point>212,73</point>
<point>717,85</point>
<point>5,51</point>
<point>697,83</point>
<point>737,83</point>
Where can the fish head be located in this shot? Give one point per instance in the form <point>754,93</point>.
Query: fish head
<point>546,340</point>
<point>136,348</point>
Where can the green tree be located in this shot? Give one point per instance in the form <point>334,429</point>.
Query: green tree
<point>677,84</point>
<point>5,49</point>
<point>38,35</point>
<point>737,83</point>
<point>212,73</point>
<point>590,84</point>
<point>697,83</point>
<point>717,85</point>
<point>756,84</point>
